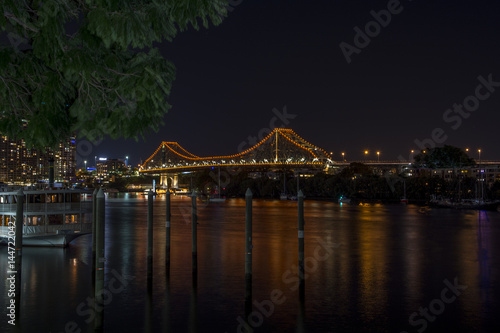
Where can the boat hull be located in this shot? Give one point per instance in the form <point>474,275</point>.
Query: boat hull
<point>51,217</point>
<point>466,205</point>
<point>217,200</point>
<point>47,240</point>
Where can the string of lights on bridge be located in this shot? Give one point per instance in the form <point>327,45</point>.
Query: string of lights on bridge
<point>304,145</point>
<point>315,157</point>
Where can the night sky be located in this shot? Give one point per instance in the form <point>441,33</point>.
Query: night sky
<point>286,54</point>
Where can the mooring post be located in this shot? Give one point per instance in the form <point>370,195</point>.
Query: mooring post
<point>94,222</point>
<point>194,235</point>
<point>300,201</point>
<point>248,250</point>
<point>150,236</point>
<point>167,234</point>
<point>100,260</point>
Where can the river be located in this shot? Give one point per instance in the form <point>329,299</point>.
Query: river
<point>369,268</point>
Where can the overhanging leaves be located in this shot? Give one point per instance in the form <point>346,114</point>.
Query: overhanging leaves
<point>90,66</point>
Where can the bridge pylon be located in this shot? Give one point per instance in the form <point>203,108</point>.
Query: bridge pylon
<point>165,177</point>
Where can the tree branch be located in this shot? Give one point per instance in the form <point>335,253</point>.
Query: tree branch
<point>11,16</point>
<point>120,73</point>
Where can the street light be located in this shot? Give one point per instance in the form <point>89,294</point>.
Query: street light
<point>343,156</point>
<point>126,161</point>
<point>378,156</point>
<point>411,154</point>
<point>480,171</point>
<point>85,165</point>
<point>366,154</point>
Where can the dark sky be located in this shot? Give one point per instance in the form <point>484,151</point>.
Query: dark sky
<point>270,54</point>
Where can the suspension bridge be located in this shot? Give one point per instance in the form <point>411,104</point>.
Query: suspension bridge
<point>282,148</point>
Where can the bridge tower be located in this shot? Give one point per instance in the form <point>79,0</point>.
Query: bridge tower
<point>174,180</point>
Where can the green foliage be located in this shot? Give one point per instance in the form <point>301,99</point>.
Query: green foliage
<point>495,190</point>
<point>443,157</point>
<point>356,168</point>
<point>90,66</point>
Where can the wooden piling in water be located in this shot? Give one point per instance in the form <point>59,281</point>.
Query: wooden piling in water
<point>248,250</point>
<point>100,261</point>
<point>194,234</point>
<point>167,233</point>
<point>300,208</point>
<point>150,236</point>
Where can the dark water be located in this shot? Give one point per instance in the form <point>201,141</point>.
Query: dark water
<point>369,268</point>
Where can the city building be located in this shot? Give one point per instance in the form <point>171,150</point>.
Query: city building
<point>107,166</point>
<point>487,171</point>
<point>20,165</point>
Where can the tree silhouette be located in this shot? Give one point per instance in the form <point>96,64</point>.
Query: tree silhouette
<point>443,157</point>
<point>90,66</point>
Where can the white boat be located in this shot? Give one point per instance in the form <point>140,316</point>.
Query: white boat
<point>51,217</point>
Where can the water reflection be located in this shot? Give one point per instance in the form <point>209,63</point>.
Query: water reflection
<point>193,309</point>
<point>379,265</point>
<point>167,327</point>
<point>483,251</point>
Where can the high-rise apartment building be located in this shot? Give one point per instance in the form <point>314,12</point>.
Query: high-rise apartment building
<point>106,166</point>
<point>25,166</point>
